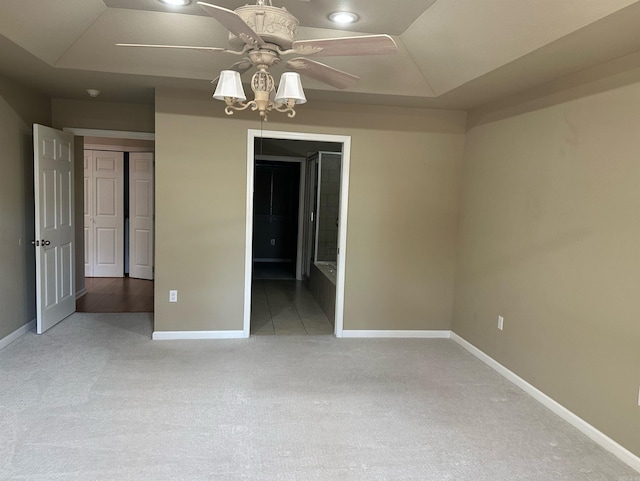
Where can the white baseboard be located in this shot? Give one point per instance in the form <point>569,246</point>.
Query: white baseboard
<point>444,334</point>
<point>583,426</point>
<point>174,335</point>
<point>5,341</point>
<point>81,292</point>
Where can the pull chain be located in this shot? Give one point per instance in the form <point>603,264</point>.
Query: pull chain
<point>261,136</point>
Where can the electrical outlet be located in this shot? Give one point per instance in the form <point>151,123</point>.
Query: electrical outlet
<point>173,296</point>
<point>500,322</point>
<point>273,242</point>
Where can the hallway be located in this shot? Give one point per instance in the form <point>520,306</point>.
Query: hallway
<point>286,307</point>
<point>116,294</point>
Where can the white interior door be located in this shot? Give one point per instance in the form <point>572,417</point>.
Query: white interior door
<point>88,214</point>
<point>141,212</point>
<point>54,209</point>
<point>108,213</point>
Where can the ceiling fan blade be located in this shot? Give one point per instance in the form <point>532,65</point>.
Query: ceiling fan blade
<point>319,71</point>
<point>240,67</point>
<point>331,47</point>
<point>184,47</point>
<point>232,21</point>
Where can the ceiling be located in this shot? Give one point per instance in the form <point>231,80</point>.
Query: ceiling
<point>452,53</point>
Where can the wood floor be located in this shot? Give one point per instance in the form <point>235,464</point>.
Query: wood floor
<point>116,294</point>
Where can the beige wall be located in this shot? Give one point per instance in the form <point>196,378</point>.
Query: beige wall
<point>19,109</point>
<point>93,114</point>
<point>116,143</point>
<point>550,239</point>
<point>401,224</point>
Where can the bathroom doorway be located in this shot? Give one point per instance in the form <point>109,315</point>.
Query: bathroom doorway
<point>283,240</point>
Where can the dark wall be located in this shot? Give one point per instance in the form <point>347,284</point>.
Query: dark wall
<point>275,210</point>
<point>293,148</point>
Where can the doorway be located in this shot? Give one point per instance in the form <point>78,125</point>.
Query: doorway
<point>118,211</point>
<point>118,223</point>
<point>276,217</point>
<point>261,180</point>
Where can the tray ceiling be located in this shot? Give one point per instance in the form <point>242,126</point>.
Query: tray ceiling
<point>448,49</point>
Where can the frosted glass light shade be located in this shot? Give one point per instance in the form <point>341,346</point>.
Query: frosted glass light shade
<point>177,3</point>
<point>229,85</point>
<point>290,87</point>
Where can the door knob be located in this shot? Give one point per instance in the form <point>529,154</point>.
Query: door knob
<point>46,242</point>
<point>35,243</point>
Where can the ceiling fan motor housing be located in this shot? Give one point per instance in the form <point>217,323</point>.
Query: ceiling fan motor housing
<point>274,25</point>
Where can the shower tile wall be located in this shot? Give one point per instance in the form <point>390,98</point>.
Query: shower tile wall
<point>329,208</point>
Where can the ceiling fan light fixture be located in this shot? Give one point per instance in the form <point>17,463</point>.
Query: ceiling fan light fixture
<point>176,3</point>
<point>290,89</point>
<point>229,86</point>
<point>262,34</point>
<point>290,93</point>
<point>343,18</point>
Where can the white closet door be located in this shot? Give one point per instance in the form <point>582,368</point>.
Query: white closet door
<point>88,213</point>
<point>108,214</point>
<point>141,210</point>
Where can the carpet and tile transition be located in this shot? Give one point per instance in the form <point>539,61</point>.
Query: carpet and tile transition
<point>95,399</point>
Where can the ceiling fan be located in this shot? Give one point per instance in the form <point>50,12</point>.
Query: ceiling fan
<point>262,34</point>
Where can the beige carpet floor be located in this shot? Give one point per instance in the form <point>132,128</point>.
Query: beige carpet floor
<point>95,399</point>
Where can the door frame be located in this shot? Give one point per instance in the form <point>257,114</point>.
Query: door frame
<point>345,140</point>
<point>114,134</point>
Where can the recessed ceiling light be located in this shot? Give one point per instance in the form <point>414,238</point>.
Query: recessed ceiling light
<point>343,17</point>
<point>177,3</point>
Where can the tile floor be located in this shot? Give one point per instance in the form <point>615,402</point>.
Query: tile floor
<point>286,307</point>
<point>274,270</point>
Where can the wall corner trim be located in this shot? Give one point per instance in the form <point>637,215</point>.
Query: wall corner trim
<point>5,341</point>
<point>439,334</point>
<point>81,292</point>
<point>577,422</point>
<point>174,335</point>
